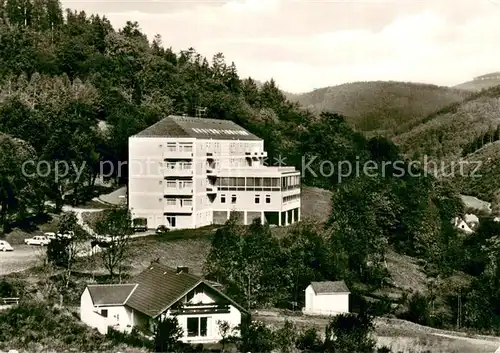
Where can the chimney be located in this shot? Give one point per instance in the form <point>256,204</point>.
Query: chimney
<point>182,269</point>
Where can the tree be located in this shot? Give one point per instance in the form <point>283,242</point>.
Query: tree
<point>285,337</point>
<point>14,181</point>
<point>350,333</point>
<point>70,238</point>
<point>167,334</point>
<point>225,332</point>
<point>256,337</point>
<point>117,224</point>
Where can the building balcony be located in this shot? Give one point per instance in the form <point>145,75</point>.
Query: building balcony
<point>178,191</point>
<point>172,155</point>
<point>177,208</point>
<point>196,309</point>
<point>212,189</point>
<point>255,154</point>
<point>180,172</point>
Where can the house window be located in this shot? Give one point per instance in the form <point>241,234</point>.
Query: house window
<point>171,202</point>
<point>222,198</point>
<point>268,198</point>
<point>197,326</point>
<point>233,198</point>
<point>257,198</point>
<point>104,312</point>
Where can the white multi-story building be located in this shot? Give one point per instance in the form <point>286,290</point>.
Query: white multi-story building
<point>191,172</point>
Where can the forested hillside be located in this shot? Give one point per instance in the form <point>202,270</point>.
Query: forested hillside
<point>382,105</point>
<point>62,74</point>
<point>481,83</point>
<point>457,132</point>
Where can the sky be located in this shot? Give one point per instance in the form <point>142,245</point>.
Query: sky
<point>306,44</point>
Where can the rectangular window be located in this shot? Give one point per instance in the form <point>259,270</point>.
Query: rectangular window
<point>171,184</point>
<point>192,326</point>
<point>187,202</point>
<point>171,202</point>
<point>104,312</point>
<point>233,199</point>
<point>171,147</point>
<point>250,181</point>
<point>203,327</point>
<point>257,198</point>
<point>171,221</point>
<point>268,198</point>
<point>222,198</point>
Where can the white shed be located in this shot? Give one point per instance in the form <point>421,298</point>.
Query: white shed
<point>327,298</point>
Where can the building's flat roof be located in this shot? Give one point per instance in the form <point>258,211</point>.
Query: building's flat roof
<point>257,172</point>
<point>200,128</point>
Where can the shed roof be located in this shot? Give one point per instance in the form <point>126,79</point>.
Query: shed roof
<point>202,128</point>
<point>328,287</point>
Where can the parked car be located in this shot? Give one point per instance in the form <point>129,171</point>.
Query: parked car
<point>52,235</point>
<point>41,240</point>
<point>103,238</point>
<point>140,224</point>
<point>4,246</point>
<point>161,230</point>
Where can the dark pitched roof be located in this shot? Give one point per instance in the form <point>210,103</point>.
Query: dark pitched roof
<point>203,128</point>
<point>329,287</point>
<point>110,294</point>
<point>154,290</point>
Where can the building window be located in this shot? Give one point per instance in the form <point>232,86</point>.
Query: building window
<point>197,326</point>
<point>171,184</point>
<point>268,198</point>
<point>233,198</point>
<point>222,198</point>
<point>171,221</point>
<point>160,182</point>
<point>171,202</point>
<point>104,312</point>
<point>257,198</point>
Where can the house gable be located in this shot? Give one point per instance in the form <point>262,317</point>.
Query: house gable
<point>204,299</point>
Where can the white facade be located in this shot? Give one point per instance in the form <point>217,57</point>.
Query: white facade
<point>197,327</point>
<point>101,317</point>
<point>332,303</point>
<point>462,225</point>
<point>190,182</point>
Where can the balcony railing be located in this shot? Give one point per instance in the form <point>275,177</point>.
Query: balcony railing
<point>178,208</point>
<point>193,309</point>
<point>177,155</point>
<point>178,191</point>
<point>212,189</point>
<point>177,171</point>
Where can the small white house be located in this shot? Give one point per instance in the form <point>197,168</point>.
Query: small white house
<point>327,298</point>
<point>460,224</point>
<point>156,293</point>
